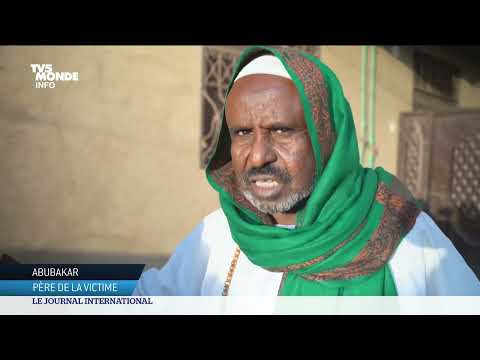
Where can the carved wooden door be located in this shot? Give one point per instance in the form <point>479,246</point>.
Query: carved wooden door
<point>439,161</point>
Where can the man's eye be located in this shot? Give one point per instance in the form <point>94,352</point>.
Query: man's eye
<point>242,132</point>
<point>281,130</point>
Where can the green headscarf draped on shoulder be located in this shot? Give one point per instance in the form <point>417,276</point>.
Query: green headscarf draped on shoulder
<point>355,217</point>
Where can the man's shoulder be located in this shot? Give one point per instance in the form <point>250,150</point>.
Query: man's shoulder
<point>212,226</point>
<point>216,217</point>
<point>426,234</point>
<point>423,240</point>
<point>426,259</point>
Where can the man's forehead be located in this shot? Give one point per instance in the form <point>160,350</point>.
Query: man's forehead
<point>268,86</point>
<point>266,97</point>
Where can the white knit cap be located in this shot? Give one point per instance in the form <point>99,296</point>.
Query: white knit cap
<point>266,64</point>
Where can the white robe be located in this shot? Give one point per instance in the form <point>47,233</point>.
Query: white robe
<point>425,263</point>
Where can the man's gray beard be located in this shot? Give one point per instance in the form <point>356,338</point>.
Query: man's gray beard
<point>280,205</point>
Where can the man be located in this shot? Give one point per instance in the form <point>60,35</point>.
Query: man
<point>299,214</point>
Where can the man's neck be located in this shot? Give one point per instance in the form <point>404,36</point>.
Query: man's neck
<point>285,218</point>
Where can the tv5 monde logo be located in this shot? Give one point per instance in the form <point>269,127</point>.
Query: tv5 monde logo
<point>45,77</point>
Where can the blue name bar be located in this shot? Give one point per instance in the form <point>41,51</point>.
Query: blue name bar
<point>67,287</point>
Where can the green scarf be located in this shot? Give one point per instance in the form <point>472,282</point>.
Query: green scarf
<point>355,217</point>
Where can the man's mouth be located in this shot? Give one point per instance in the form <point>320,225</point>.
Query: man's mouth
<point>265,186</point>
<point>266,183</point>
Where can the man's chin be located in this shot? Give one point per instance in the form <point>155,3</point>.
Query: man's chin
<point>269,205</point>
<point>278,202</point>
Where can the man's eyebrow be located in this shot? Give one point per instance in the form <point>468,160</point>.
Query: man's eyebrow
<point>237,128</point>
<point>281,124</point>
<point>277,124</point>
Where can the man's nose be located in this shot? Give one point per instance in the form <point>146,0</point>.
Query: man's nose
<point>262,152</point>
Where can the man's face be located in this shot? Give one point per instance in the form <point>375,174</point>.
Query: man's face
<point>271,150</point>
